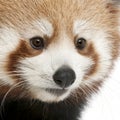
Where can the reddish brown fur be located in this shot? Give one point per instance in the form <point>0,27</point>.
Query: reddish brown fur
<point>15,93</point>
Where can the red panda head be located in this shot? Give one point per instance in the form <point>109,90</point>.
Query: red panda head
<point>57,49</point>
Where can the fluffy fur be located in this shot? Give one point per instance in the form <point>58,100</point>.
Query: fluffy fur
<point>26,74</point>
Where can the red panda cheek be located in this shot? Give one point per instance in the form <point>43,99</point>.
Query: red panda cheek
<point>91,53</point>
<point>23,50</point>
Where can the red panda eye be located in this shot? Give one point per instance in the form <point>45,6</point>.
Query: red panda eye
<point>37,43</point>
<point>81,43</point>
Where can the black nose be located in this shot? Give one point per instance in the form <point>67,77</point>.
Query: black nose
<point>64,77</point>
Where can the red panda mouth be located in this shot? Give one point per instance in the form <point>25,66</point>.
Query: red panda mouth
<point>57,92</point>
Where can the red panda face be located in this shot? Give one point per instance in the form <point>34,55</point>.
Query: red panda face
<point>56,48</point>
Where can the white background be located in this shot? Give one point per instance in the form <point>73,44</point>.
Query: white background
<point>106,104</point>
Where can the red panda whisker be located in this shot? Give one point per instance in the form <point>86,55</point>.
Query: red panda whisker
<point>6,94</point>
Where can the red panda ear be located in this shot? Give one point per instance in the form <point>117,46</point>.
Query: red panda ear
<point>113,6</point>
<point>116,1</point>
<point>114,9</point>
<point>116,4</point>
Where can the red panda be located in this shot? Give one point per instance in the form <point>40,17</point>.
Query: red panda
<point>54,55</point>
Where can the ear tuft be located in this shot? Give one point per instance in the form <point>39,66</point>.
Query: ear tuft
<point>113,5</point>
<point>114,8</point>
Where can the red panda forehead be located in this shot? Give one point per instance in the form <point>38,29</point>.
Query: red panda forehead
<point>56,11</point>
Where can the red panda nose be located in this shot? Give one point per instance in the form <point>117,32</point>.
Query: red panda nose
<point>64,77</point>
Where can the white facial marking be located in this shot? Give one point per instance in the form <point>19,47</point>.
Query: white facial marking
<point>38,28</point>
<point>48,97</point>
<point>45,26</point>
<point>9,39</point>
<point>81,26</point>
